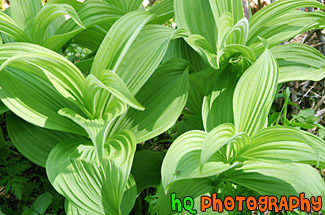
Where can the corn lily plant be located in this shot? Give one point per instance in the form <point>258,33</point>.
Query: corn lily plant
<point>94,121</point>
<point>228,44</point>
<point>270,161</point>
<point>82,122</point>
<point>227,138</point>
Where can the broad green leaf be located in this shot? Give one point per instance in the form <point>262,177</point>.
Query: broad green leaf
<point>34,142</point>
<point>188,123</point>
<point>284,179</point>
<point>128,200</point>
<point>299,62</point>
<point>43,73</point>
<point>115,85</point>
<point>178,48</point>
<point>224,24</point>
<point>127,5</point>
<point>164,97</point>
<point>129,196</point>
<point>85,65</point>
<point>64,75</point>
<point>23,11</point>
<point>47,15</point>
<point>182,160</point>
<point>198,89</point>
<point>146,169</point>
<point>217,138</point>
<point>118,43</point>
<point>164,10</point>
<point>11,29</point>
<point>234,7</point>
<point>97,129</point>
<point>279,22</point>
<point>217,105</point>
<point>136,54</point>
<point>35,100</point>
<point>204,49</point>
<point>91,38</point>
<point>285,145</point>
<point>254,94</point>
<point>43,202</point>
<point>112,83</point>
<point>72,166</point>
<point>239,33</point>
<point>196,17</point>
<point>70,209</point>
<point>77,5</point>
<point>90,14</point>
<point>288,26</point>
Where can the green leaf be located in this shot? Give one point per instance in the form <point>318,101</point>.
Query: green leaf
<point>164,10</point>
<point>70,209</point>
<point>33,142</point>
<point>77,5</point>
<point>41,109</point>
<point>97,129</point>
<point>196,17</point>
<point>203,48</point>
<point>284,179</point>
<point>217,104</point>
<point>31,69</point>
<point>182,160</point>
<point>188,123</point>
<point>2,140</point>
<point>178,48</point>
<point>90,14</point>
<point>280,21</point>
<point>9,27</point>
<point>225,24</point>
<point>118,44</point>
<point>234,7</point>
<point>72,166</point>
<point>164,96</point>
<point>146,169</point>
<point>198,89</point>
<point>285,145</point>
<point>128,200</point>
<point>254,94</point>
<point>43,202</point>
<point>22,12</point>
<point>47,15</point>
<point>64,75</point>
<point>112,83</point>
<point>220,136</point>
<point>299,62</point>
<point>127,5</point>
<point>129,196</point>
<point>239,33</point>
<point>91,38</point>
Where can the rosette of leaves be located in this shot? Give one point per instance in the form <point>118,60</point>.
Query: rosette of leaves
<point>226,137</point>
<point>270,161</point>
<point>85,129</point>
<point>221,44</point>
